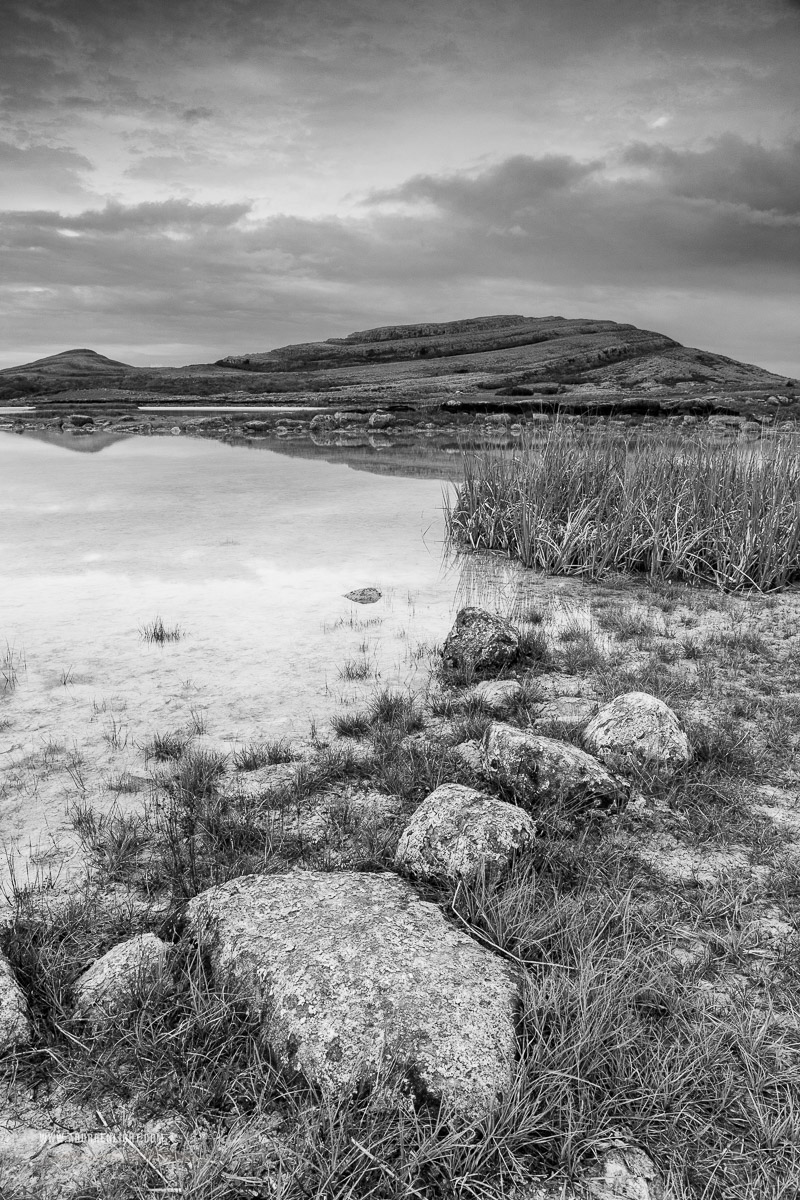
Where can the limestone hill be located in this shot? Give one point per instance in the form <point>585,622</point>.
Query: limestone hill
<point>455,362</point>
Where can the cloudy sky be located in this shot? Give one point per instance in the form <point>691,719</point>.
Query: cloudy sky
<point>183,179</point>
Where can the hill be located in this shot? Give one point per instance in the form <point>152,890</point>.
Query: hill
<point>435,362</point>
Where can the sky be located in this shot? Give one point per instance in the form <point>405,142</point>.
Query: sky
<point>186,179</point>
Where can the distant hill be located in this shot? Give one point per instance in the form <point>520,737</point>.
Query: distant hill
<point>422,364</point>
<point>69,363</point>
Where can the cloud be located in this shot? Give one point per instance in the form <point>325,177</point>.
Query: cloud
<point>40,170</point>
<point>729,170</point>
<point>513,236</point>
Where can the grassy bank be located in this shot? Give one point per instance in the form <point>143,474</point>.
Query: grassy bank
<point>684,507</point>
<point>659,949</point>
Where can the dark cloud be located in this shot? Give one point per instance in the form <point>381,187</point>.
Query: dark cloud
<point>730,170</point>
<point>502,192</point>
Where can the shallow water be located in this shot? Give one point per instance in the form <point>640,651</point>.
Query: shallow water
<point>250,554</point>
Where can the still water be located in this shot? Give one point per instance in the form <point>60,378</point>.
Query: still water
<point>250,554</point>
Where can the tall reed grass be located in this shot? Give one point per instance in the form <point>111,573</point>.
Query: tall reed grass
<point>673,506</point>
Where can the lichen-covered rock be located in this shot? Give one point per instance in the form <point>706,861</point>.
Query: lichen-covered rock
<point>381,420</point>
<point>356,974</point>
<point>496,695</point>
<point>480,640</point>
<point>544,770</point>
<point>638,726</point>
<point>109,983</point>
<point>15,1027</point>
<point>457,830</point>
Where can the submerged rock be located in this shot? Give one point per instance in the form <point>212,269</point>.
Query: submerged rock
<point>356,975</point>
<point>637,725</point>
<point>15,1027</point>
<point>480,640</point>
<point>457,830</point>
<point>111,981</point>
<point>368,595</point>
<point>542,770</point>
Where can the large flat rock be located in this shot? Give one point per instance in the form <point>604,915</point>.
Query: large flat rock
<point>355,973</point>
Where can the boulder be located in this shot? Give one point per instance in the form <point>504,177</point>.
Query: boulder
<point>457,830</point>
<point>79,420</point>
<point>541,770</point>
<point>639,726</point>
<point>109,983</point>
<point>368,595</point>
<point>496,695</point>
<point>480,640</point>
<point>15,1027</point>
<point>381,420</point>
<point>360,981</point>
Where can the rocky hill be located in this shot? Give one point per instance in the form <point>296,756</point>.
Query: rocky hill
<point>456,362</point>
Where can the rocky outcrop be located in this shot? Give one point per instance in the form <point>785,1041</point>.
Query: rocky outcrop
<point>637,726</point>
<point>358,977</point>
<point>540,770</point>
<point>456,831</point>
<point>14,1024</point>
<point>480,641</point>
<point>110,983</point>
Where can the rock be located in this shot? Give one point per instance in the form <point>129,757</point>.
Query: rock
<point>480,640</point>
<point>15,1027</point>
<point>456,830</point>
<point>256,426</point>
<point>175,431</point>
<point>79,420</point>
<point>356,974</point>
<point>543,770</point>
<point>321,421</point>
<point>638,726</point>
<point>496,695</point>
<point>570,712</point>
<point>368,595</point>
<point>624,1172</point>
<point>108,984</point>
<point>470,755</point>
<point>381,420</point>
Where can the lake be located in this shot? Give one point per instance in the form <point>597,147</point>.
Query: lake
<point>249,551</point>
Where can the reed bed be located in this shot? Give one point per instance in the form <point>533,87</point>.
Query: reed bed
<point>687,507</point>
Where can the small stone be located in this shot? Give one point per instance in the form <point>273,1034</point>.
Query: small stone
<point>109,983</point>
<point>639,726</point>
<point>368,595</point>
<point>456,831</point>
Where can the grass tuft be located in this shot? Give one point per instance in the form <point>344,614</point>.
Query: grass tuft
<point>157,631</point>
